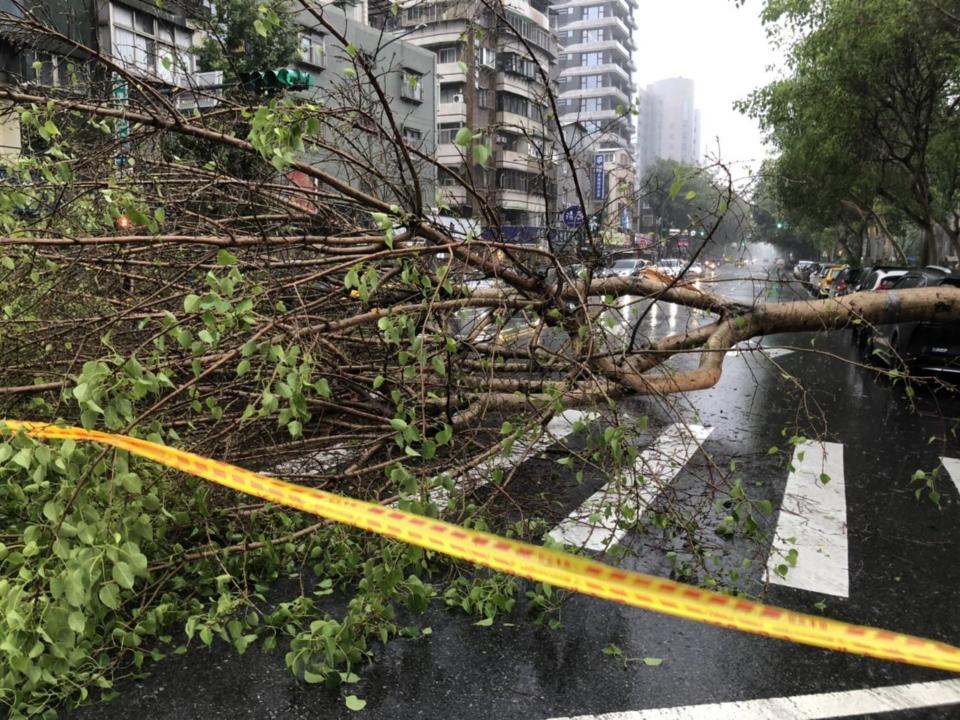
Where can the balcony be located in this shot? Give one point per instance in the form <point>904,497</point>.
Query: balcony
<point>576,70</point>
<point>448,112</point>
<point>519,200</point>
<point>511,120</point>
<point>516,160</point>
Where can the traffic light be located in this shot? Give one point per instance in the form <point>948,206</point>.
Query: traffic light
<point>279,79</point>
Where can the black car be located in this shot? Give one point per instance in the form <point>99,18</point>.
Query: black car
<point>925,346</point>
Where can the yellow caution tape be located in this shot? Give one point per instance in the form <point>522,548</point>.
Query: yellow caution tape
<point>534,562</point>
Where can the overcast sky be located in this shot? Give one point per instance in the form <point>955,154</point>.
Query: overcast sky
<point>724,50</point>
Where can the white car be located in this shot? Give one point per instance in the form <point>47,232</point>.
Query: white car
<point>670,266</point>
<point>626,267</point>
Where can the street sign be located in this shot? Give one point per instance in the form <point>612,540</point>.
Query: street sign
<point>598,177</point>
<point>573,217</point>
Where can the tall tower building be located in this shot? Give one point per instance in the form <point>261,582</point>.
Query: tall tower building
<point>668,127</point>
<point>489,83</point>
<point>596,90</point>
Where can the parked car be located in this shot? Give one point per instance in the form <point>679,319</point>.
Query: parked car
<point>695,270</point>
<point>802,269</point>
<point>846,281</point>
<point>921,346</point>
<point>827,277</point>
<point>880,278</point>
<point>812,278</point>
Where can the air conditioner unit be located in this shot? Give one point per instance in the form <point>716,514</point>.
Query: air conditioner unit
<point>458,98</point>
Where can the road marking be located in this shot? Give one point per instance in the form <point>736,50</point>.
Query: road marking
<point>596,524</point>
<point>814,515</point>
<point>952,466</point>
<point>559,427</point>
<point>818,706</point>
<point>748,349</point>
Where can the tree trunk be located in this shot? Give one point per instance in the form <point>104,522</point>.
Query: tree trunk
<point>929,255</point>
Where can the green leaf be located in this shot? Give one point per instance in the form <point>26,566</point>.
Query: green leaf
<point>110,596</point>
<point>481,153</point>
<point>76,621</point>
<point>398,424</point>
<point>190,303</point>
<point>824,478</point>
<point>243,367</point>
<point>23,458</point>
<point>260,27</point>
<point>653,661</point>
<point>377,382</point>
<point>123,575</point>
<point>226,258</point>
<point>486,622</point>
<point>464,137</point>
<point>354,703</point>
<point>7,262</point>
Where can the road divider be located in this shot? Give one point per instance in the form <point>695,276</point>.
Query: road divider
<point>534,562</point>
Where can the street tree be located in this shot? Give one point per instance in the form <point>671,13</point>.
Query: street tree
<point>866,113</point>
<point>329,331</point>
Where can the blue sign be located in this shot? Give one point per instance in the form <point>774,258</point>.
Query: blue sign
<point>573,216</point>
<point>624,218</point>
<point>598,177</point>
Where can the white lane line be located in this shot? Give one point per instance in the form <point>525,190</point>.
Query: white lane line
<point>557,429</point>
<point>596,524</point>
<point>813,521</point>
<point>848,703</point>
<point>952,466</point>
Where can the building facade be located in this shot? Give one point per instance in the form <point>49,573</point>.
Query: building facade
<point>155,43</point>
<point>668,124</point>
<point>492,64</point>
<point>596,90</point>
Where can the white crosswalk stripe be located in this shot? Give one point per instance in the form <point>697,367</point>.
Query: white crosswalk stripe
<point>813,521</point>
<point>820,706</point>
<point>952,466</point>
<point>558,429</point>
<point>596,524</point>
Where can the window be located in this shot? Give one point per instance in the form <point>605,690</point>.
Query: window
<point>412,87</point>
<point>451,93</point>
<point>594,36</point>
<point>412,136</point>
<point>591,59</point>
<point>594,12</point>
<point>591,82</point>
<point>518,65</point>
<point>591,105</point>
<point>449,54</point>
<point>447,132</point>
<point>313,50</point>
<point>147,43</point>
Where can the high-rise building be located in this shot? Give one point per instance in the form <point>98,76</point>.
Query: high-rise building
<point>596,90</point>
<point>668,125</point>
<point>492,61</point>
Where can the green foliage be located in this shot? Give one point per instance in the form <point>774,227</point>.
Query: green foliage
<point>247,37</point>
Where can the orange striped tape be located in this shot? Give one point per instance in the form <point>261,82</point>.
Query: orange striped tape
<point>534,562</point>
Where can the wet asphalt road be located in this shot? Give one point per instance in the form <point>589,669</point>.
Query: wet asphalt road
<point>903,574</point>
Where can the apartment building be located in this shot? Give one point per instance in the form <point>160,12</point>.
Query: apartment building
<point>596,90</point>
<point>155,41</point>
<point>492,62</point>
<point>668,126</point>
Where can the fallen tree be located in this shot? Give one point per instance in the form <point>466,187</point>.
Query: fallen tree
<point>339,336</point>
